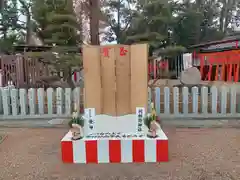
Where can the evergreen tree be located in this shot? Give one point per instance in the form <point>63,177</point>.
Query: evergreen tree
<point>154,24</point>
<point>119,15</point>
<point>8,24</point>
<point>197,22</point>
<point>56,22</point>
<point>56,25</point>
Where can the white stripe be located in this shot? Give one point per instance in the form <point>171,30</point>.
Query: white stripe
<point>67,137</point>
<point>103,151</point>
<point>126,151</point>
<point>161,135</point>
<point>150,150</point>
<point>79,151</point>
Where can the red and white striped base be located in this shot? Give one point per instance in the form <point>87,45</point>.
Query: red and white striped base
<point>112,150</point>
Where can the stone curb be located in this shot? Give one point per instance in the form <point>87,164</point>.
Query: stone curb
<point>196,123</point>
<point>178,123</point>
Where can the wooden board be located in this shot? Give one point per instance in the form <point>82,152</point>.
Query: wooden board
<point>123,79</point>
<point>139,81</point>
<point>108,80</point>
<point>92,80</point>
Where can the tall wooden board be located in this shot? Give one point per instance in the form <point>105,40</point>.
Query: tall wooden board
<point>139,80</point>
<point>123,79</point>
<point>92,79</point>
<point>108,80</point>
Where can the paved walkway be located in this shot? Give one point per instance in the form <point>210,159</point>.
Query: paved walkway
<point>195,154</point>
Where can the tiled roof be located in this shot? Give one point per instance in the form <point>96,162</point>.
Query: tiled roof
<point>224,40</point>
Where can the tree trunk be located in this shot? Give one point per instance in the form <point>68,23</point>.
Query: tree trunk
<point>221,26</point>
<point>28,21</point>
<point>118,22</point>
<point>94,21</point>
<point>69,78</point>
<point>1,5</point>
<point>29,29</point>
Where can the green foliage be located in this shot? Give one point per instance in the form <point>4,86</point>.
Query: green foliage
<point>9,16</point>
<point>152,23</point>
<point>196,23</point>
<point>56,25</point>
<point>148,119</point>
<point>168,25</point>
<point>78,120</point>
<point>9,26</point>
<point>119,25</point>
<point>56,22</point>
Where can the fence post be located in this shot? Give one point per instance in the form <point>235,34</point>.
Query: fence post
<point>6,101</point>
<point>233,99</point>
<point>157,100</point>
<point>32,100</point>
<point>59,101</point>
<point>223,100</point>
<point>176,100</point>
<point>41,100</point>
<point>76,99</point>
<point>23,101</point>
<point>166,100</point>
<point>214,93</point>
<point>14,101</point>
<point>195,100</point>
<point>204,100</point>
<point>50,100</point>
<point>68,100</point>
<point>185,95</point>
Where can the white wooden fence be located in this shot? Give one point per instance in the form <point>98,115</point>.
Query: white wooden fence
<point>204,102</point>
<point>37,103</point>
<point>169,102</point>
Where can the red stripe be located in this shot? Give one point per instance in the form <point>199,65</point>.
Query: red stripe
<point>162,150</point>
<point>91,151</point>
<point>115,151</point>
<point>67,151</point>
<point>138,150</point>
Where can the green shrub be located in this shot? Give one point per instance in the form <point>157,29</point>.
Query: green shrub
<point>78,120</point>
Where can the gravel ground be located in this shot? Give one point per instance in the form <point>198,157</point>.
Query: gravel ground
<point>195,154</point>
